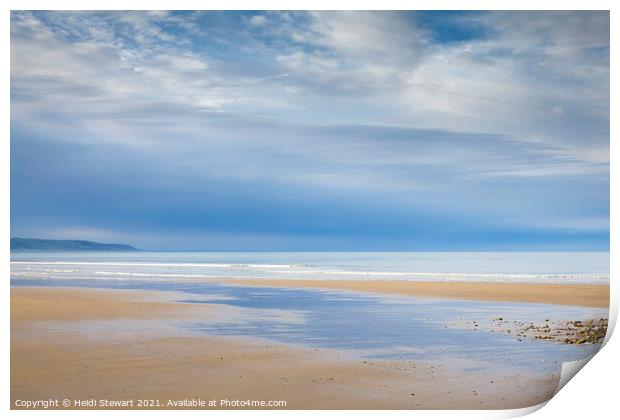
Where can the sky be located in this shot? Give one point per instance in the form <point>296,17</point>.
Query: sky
<point>307,131</point>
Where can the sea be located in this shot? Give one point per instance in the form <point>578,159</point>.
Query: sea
<point>521,267</point>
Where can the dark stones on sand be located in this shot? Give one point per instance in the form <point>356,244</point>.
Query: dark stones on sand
<point>570,332</point>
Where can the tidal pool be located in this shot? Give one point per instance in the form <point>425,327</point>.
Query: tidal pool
<point>373,326</point>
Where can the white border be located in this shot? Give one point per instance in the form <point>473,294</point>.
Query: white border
<point>591,395</point>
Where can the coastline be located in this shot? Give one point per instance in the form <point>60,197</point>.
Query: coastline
<point>588,295</point>
<point>54,355</point>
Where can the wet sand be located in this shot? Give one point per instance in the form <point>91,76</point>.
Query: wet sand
<point>55,355</point>
<point>591,295</point>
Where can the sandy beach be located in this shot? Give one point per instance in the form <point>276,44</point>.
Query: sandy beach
<point>590,295</point>
<point>56,354</point>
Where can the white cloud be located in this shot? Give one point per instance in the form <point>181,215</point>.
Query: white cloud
<point>330,103</point>
<point>259,20</point>
<point>539,77</point>
<point>121,76</point>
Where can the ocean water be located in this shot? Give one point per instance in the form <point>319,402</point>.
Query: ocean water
<point>538,267</point>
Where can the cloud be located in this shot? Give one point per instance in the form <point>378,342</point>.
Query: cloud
<point>258,20</point>
<point>310,124</point>
<point>512,82</point>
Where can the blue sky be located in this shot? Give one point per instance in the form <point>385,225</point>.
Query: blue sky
<point>312,130</point>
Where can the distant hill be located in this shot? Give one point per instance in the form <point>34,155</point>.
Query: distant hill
<point>65,245</point>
